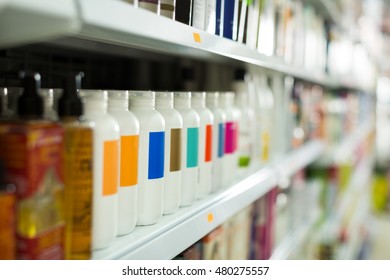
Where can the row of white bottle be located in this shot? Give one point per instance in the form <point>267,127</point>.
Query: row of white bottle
<point>165,152</point>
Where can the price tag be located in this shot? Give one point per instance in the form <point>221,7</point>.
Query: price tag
<point>197,38</point>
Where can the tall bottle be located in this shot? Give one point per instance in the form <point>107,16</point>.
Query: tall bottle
<point>218,148</point>
<point>78,142</point>
<point>118,107</point>
<point>229,166</point>
<point>150,5</point>
<point>167,8</point>
<point>246,125</point>
<point>189,155</point>
<point>31,149</point>
<point>172,166</point>
<point>7,218</point>
<point>151,157</point>
<point>198,103</point>
<point>104,167</point>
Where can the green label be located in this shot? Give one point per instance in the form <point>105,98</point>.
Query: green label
<point>192,146</point>
<point>244,161</point>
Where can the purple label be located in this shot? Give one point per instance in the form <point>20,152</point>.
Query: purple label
<point>229,137</point>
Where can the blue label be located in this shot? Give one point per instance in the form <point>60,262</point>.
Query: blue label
<point>221,139</point>
<point>218,17</point>
<point>228,19</point>
<point>156,155</point>
<point>192,146</point>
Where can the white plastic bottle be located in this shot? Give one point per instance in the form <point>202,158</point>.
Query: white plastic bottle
<point>246,125</point>
<point>189,156</point>
<point>229,165</point>
<point>150,157</point>
<point>104,166</point>
<point>218,139</point>
<point>198,103</point>
<point>173,149</point>
<point>118,107</point>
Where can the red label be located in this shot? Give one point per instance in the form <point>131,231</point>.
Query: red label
<point>49,245</point>
<point>209,143</point>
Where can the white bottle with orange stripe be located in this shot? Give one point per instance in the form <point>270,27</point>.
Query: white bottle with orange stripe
<point>118,107</point>
<point>105,168</point>
<point>198,103</point>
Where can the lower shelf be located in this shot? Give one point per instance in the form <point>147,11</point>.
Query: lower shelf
<point>174,233</point>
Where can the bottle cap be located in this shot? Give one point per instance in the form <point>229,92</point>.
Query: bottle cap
<point>30,103</point>
<point>70,103</point>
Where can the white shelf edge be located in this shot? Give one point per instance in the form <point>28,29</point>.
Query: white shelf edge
<point>174,233</point>
<point>86,22</point>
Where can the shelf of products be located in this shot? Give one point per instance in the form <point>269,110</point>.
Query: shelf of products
<point>178,231</point>
<point>86,24</point>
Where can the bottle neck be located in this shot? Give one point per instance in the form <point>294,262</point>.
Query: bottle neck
<point>164,103</point>
<point>225,102</point>
<point>118,105</point>
<point>95,106</point>
<point>182,103</point>
<point>198,103</point>
<point>212,102</point>
<point>141,103</point>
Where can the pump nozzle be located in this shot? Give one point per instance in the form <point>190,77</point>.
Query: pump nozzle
<point>70,105</point>
<point>30,103</point>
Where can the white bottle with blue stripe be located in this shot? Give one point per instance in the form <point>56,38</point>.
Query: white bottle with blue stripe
<point>190,146</point>
<point>218,138</point>
<point>151,157</point>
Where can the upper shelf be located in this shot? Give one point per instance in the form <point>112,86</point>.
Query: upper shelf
<point>87,24</point>
<point>174,233</point>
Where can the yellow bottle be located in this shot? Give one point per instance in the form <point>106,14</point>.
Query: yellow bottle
<point>77,173</point>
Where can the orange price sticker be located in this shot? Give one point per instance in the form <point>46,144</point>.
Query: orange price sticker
<point>197,38</point>
<point>210,217</point>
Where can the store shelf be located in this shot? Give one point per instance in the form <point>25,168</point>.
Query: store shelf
<point>295,239</point>
<point>87,25</point>
<point>174,233</point>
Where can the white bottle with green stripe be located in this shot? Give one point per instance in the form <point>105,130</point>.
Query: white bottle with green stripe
<point>190,146</point>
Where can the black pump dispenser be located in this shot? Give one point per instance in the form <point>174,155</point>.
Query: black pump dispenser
<point>70,105</point>
<point>30,103</point>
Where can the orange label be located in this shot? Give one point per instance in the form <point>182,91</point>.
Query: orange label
<point>110,168</point>
<point>197,37</point>
<point>209,142</point>
<point>129,161</point>
<point>210,217</point>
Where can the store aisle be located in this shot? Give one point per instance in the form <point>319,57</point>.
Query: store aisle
<point>380,246</point>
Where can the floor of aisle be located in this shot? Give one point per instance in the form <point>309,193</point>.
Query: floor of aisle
<point>380,242</point>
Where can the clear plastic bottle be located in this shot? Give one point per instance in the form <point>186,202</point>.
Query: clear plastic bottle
<point>173,128</point>
<point>218,139</point>
<point>151,157</point>
<point>78,177</point>
<point>198,103</point>
<point>190,141</point>
<point>105,168</point>
<point>229,166</point>
<point>118,107</point>
<point>50,99</point>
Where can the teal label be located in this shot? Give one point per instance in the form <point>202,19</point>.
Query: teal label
<point>192,146</point>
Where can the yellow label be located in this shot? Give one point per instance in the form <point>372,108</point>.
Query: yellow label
<point>197,38</point>
<point>265,146</point>
<point>129,161</point>
<point>110,168</point>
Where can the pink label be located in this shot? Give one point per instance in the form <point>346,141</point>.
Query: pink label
<point>230,135</point>
<point>235,137</point>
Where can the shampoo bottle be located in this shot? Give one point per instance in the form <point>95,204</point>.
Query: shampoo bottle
<point>118,107</point>
<point>151,157</point>
<point>173,149</point>
<point>78,187</point>
<point>198,103</point>
<point>218,141</point>
<point>190,146</point>
<point>104,167</point>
